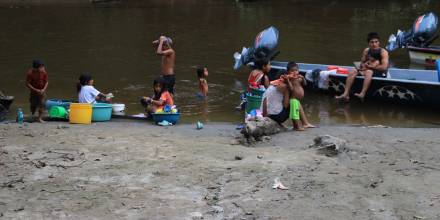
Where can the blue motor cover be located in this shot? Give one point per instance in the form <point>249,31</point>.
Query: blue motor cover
<point>422,34</point>
<point>264,46</point>
<point>424,28</point>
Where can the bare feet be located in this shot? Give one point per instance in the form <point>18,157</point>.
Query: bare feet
<point>360,96</point>
<point>308,125</point>
<point>283,126</point>
<point>41,120</point>
<point>343,97</point>
<point>299,129</point>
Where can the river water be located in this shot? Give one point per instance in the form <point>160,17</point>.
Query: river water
<point>112,41</point>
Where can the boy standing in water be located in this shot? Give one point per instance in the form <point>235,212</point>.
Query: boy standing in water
<point>202,74</point>
<point>36,81</point>
<point>296,110</point>
<point>168,60</point>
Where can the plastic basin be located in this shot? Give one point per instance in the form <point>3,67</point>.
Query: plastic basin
<point>118,108</point>
<point>57,112</point>
<point>80,113</point>
<point>58,102</point>
<point>101,112</point>
<point>253,102</point>
<point>170,117</point>
<point>257,92</point>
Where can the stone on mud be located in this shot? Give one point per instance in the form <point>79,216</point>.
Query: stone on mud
<point>329,145</point>
<point>260,127</point>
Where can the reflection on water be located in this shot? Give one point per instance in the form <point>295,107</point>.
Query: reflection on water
<point>325,110</point>
<point>113,43</point>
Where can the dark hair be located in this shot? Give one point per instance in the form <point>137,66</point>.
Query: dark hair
<point>291,65</point>
<point>37,63</point>
<point>158,81</point>
<point>259,63</point>
<point>372,35</point>
<point>280,73</point>
<point>83,80</point>
<point>375,53</point>
<point>201,71</point>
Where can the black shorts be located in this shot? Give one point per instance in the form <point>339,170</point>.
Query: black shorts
<point>36,101</point>
<point>282,116</point>
<point>377,73</point>
<point>169,82</point>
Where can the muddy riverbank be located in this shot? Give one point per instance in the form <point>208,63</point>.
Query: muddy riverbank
<point>135,170</point>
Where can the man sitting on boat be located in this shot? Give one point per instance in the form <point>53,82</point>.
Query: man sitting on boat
<point>367,69</point>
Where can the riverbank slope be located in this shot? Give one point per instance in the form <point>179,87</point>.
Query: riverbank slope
<point>135,170</point>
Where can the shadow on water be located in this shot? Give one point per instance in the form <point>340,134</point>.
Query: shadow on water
<point>112,41</point>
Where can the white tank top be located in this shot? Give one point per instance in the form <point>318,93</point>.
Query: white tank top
<point>274,100</point>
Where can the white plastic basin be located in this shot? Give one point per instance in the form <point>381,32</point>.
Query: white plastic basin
<point>118,108</point>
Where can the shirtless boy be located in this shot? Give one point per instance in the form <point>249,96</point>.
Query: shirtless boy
<point>168,60</point>
<point>297,81</point>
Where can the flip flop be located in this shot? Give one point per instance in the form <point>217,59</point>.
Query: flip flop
<point>164,123</point>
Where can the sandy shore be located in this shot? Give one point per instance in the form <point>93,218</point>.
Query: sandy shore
<point>134,170</point>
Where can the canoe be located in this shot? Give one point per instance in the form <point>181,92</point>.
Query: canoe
<point>402,86</point>
<point>424,55</point>
<point>6,101</point>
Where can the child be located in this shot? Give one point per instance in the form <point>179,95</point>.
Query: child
<point>202,74</point>
<point>373,61</point>
<point>296,110</point>
<point>258,77</point>
<point>87,93</point>
<point>160,98</point>
<point>36,81</point>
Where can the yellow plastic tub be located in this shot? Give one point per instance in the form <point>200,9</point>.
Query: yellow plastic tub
<point>80,113</point>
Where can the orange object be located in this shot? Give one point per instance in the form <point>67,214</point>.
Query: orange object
<point>332,67</point>
<point>342,70</point>
<point>338,69</point>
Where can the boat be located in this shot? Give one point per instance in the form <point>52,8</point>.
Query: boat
<point>418,40</point>
<point>5,103</point>
<point>424,55</point>
<point>402,86</point>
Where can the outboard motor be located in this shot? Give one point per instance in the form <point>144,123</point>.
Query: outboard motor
<point>264,47</point>
<point>422,34</point>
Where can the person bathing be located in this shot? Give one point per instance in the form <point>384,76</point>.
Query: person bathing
<point>164,49</point>
<point>202,74</point>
